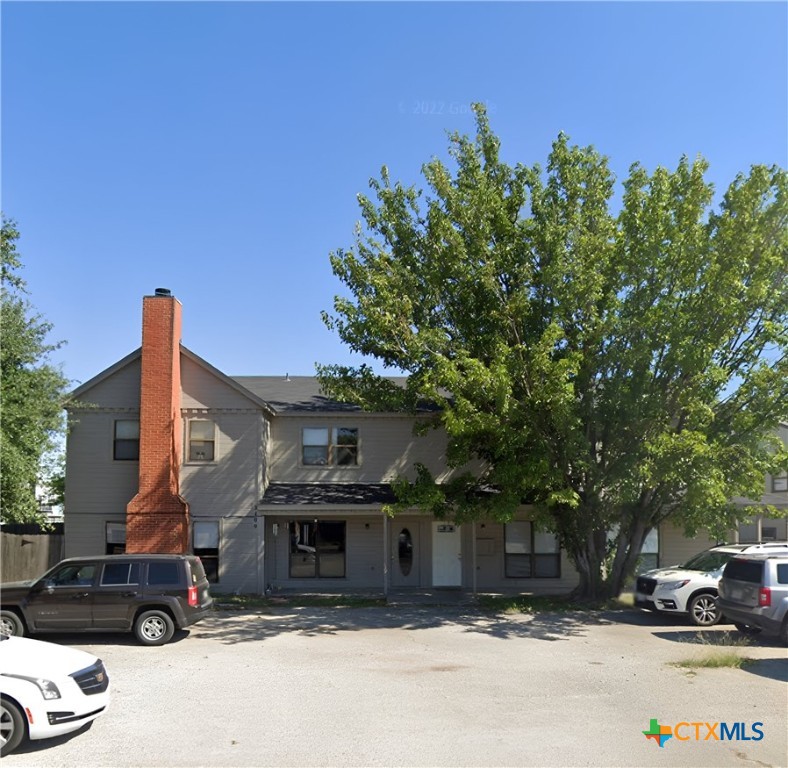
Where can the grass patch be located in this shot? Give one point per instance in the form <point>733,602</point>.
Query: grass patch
<point>717,650</point>
<point>543,604</point>
<point>256,602</point>
<point>716,659</point>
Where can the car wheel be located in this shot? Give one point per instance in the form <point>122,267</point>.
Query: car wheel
<point>154,628</point>
<point>703,611</point>
<point>784,632</point>
<point>12,727</point>
<point>11,624</point>
<point>746,629</point>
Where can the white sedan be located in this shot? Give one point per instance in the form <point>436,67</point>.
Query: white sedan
<point>47,690</point>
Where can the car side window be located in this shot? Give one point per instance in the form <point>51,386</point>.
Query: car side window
<point>782,574</point>
<point>160,574</point>
<point>120,573</point>
<point>73,576</point>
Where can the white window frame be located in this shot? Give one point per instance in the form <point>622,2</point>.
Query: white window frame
<point>331,445</point>
<point>213,442</point>
<point>116,439</point>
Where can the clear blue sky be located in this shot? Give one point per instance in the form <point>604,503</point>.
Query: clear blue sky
<point>216,149</point>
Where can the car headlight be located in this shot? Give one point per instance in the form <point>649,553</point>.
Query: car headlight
<point>671,586</point>
<point>48,689</point>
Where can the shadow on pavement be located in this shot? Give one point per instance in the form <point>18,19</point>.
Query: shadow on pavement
<point>41,744</point>
<point>719,637</point>
<point>230,627</point>
<point>774,669</point>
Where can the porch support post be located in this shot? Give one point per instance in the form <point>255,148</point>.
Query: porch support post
<point>259,524</point>
<point>385,555</point>
<point>473,555</point>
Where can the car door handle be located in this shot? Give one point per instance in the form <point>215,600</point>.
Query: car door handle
<point>80,596</point>
<point>128,594</point>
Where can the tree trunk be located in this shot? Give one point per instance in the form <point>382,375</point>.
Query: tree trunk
<point>596,583</point>
<point>589,559</point>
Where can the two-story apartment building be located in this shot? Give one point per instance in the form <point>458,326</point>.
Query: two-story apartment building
<point>275,485</point>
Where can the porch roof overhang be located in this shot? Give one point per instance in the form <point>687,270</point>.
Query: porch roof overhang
<point>283,498</point>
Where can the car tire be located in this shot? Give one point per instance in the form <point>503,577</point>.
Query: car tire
<point>784,632</point>
<point>747,629</point>
<point>13,730</point>
<point>703,610</point>
<point>11,624</point>
<point>154,628</point>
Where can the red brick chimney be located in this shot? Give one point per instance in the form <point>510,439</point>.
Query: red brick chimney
<point>157,518</point>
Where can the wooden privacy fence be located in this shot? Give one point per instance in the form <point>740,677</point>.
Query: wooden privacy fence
<point>26,551</point>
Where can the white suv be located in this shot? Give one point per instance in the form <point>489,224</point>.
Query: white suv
<point>692,588</point>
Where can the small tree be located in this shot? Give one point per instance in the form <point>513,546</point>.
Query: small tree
<point>613,370</point>
<point>32,390</point>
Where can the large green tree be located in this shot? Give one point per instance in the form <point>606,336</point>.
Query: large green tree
<point>614,361</point>
<point>31,390</point>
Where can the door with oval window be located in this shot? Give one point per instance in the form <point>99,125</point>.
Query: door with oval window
<point>404,564</point>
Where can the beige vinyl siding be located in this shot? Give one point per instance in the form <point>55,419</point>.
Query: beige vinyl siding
<point>363,554</point>
<point>122,388</point>
<point>675,548</point>
<point>387,449</point>
<point>232,483</point>
<point>98,488</point>
<point>240,555</point>
<point>85,534</point>
<point>202,389</point>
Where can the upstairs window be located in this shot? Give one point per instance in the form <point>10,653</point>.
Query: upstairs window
<point>202,437</point>
<point>314,450</point>
<point>780,482</point>
<point>126,444</point>
<point>321,446</point>
<point>345,446</point>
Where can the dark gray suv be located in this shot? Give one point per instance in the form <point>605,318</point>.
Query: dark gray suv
<point>150,595</point>
<point>753,594</point>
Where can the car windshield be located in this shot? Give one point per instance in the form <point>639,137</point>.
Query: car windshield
<point>708,561</point>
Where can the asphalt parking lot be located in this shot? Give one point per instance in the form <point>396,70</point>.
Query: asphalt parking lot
<point>426,686</point>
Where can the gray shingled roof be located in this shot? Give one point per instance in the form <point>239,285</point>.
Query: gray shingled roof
<point>297,393</point>
<point>328,493</point>
<point>303,393</point>
<point>292,393</point>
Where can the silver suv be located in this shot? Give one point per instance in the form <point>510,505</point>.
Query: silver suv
<point>691,589</point>
<point>753,594</point>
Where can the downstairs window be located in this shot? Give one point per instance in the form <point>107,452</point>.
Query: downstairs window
<point>317,549</point>
<point>530,553</point>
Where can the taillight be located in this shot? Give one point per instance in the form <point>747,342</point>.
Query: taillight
<point>193,596</point>
<point>765,597</point>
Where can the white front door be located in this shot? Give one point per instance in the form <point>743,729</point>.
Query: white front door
<point>446,550</point>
